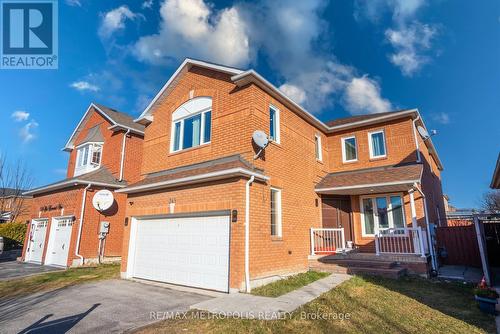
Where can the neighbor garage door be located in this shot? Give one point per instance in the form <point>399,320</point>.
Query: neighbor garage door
<point>191,251</point>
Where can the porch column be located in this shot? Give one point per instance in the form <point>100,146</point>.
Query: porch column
<point>413,210</point>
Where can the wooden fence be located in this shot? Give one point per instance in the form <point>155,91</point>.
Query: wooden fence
<point>460,243</point>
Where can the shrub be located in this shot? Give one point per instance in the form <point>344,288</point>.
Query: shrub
<point>13,234</point>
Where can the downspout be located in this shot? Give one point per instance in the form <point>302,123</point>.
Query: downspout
<point>429,239</point>
<point>247,234</point>
<point>416,137</point>
<point>123,154</point>
<point>77,249</point>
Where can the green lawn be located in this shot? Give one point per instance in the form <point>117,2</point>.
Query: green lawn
<point>372,305</point>
<point>58,279</point>
<point>288,284</point>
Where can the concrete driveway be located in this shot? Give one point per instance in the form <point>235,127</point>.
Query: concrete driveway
<point>110,306</point>
<point>14,269</point>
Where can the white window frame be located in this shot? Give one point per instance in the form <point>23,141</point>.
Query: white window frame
<point>277,136</point>
<point>370,144</point>
<point>89,166</point>
<point>375,216</point>
<point>203,114</point>
<point>279,221</point>
<point>343,139</point>
<point>318,149</point>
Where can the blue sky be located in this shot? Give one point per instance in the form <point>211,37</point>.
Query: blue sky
<point>337,58</point>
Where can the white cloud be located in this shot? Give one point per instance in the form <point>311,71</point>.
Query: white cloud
<point>74,3</point>
<point>410,39</point>
<point>409,45</point>
<point>27,132</point>
<point>295,93</point>
<point>20,115</point>
<point>114,20</point>
<point>295,44</point>
<point>191,28</point>
<point>147,4</point>
<point>441,117</point>
<point>363,96</point>
<point>84,86</point>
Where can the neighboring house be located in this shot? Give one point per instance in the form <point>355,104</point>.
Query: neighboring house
<point>14,206</point>
<point>105,152</point>
<point>209,213</point>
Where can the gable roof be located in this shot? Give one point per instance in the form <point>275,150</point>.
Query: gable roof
<point>118,120</point>
<point>241,78</point>
<point>100,177</point>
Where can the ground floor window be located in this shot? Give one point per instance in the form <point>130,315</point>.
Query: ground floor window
<point>275,212</point>
<point>379,213</point>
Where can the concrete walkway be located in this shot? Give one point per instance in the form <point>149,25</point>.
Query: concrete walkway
<point>461,273</point>
<point>267,308</point>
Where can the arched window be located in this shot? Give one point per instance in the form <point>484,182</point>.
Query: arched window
<point>191,124</point>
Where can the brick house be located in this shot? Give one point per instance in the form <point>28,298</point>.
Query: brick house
<point>211,211</point>
<point>14,206</point>
<point>105,152</point>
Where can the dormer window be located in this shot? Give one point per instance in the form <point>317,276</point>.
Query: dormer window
<point>191,124</point>
<point>88,158</point>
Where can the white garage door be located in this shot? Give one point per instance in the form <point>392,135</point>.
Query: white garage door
<point>37,240</point>
<point>59,239</point>
<point>190,251</point>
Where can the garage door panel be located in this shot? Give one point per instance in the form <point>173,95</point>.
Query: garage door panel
<point>187,251</point>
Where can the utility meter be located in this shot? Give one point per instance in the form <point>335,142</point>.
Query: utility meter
<point>104,228</point>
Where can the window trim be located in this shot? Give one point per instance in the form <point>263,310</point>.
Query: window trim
<point>202,114</point>
<point>343,139</point>
<point>318,148</point>
<point>390,219</point>
<point>279,216</point>
<point>277,136</point>
<point>370,144</point>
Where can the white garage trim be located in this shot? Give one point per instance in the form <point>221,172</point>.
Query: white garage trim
<point>196,256</point>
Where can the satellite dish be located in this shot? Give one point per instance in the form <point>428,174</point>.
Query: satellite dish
<point>423,132</point>
<point>260,139</point>
<point>102,200</point>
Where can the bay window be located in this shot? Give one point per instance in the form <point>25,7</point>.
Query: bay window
<point>191,124</point>
<point>88,158</point>
<point>382,212</point>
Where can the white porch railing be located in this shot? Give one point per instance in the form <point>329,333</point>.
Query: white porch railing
<point>401,241</point>
<point>327,240</point>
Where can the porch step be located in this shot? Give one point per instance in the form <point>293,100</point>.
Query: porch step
<point>357,267</point>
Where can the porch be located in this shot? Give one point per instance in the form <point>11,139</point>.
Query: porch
<point>377,214</point>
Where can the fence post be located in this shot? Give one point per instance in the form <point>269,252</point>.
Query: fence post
<point>312,241</point>
<point>421,241</point>
<point>377,246</point>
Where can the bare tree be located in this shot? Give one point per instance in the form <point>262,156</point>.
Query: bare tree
<point>15,178</point>
<point>491,201</point>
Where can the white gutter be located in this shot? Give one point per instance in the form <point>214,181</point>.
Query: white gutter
<point>416,137</point>
<point>123,154</point>
<point>247,234</point>
<point>192,179</point>
<point>69,183</point>
<point>429,235</point>
<point>124,127</point>
<point>373,185</point>
<point>77,248</point>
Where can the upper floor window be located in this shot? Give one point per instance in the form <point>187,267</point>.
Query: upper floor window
<point>88,158</point>
<point>317,147</point>
<point>275,212</point>
<point>274,124</point>
<point>376,141</point>
<point>192,124</point>
<point>349,149</point>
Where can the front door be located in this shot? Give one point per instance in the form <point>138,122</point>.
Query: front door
<point>337,214</point>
